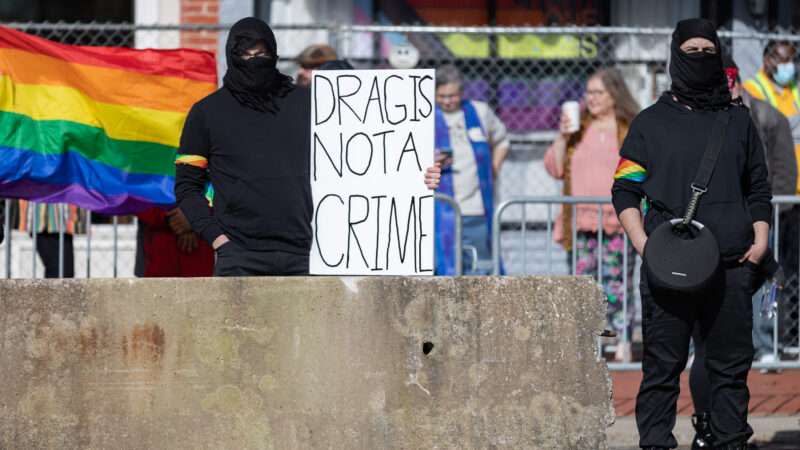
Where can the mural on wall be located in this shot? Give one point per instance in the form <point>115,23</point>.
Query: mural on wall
<point>501,73</point>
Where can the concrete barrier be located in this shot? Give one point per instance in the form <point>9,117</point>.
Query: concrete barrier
<point>303,363</point>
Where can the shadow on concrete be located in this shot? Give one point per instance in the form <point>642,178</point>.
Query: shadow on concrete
<point>782,440</point>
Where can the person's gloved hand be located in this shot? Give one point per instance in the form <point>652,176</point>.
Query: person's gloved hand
<point>187,242</point>
<point>178,222</point>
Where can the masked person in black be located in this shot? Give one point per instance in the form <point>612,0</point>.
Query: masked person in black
<point>659,161</point>
<point>250,139</point>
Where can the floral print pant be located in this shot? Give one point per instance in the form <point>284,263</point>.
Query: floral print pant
<point>586,264</point>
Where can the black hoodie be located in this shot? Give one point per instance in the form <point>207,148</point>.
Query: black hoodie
<point>251,143</point>
<point>668,140</point>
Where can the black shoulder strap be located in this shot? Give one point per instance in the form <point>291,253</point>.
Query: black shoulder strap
<point>707,164</point>
<point>713,147</point>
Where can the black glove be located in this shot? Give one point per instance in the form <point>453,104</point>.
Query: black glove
<point>768,267</point>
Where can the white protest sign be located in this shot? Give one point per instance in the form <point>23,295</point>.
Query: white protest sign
<point>371,142</point>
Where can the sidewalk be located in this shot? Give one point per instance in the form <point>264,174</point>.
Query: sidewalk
<point>770,394</point>
<point>771,433</point>
<point>774,410</point>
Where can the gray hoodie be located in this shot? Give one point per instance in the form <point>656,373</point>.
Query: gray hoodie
<point>774,131</point>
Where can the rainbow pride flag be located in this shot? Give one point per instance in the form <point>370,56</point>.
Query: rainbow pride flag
<point>97,127</point>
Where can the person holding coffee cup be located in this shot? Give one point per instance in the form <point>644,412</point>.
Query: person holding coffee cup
<point>585,156</point>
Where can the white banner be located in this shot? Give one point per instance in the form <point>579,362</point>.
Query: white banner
<point>371,140</point>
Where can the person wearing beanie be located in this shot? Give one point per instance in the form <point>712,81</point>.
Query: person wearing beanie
<point>311,58</point>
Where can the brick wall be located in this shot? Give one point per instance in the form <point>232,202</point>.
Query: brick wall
<point>199,12</point>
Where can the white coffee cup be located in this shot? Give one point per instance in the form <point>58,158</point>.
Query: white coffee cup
<point>572,110</point>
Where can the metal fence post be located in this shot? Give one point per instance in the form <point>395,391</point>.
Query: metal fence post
<point>574,223</point>
<point>33,226</point>
<point>60,210</point>
<point>496,251</point>
<point>625,262</point>
<point>9,233</point>
<point>88,244</point>
<point>549,238</point>
<point>523,235</point>
<point>600,231</point>
<point>115,222</point>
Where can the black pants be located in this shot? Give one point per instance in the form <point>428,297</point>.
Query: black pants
<point>47,248</point>
<point>723,314</point>
<point>699,385</point>
<point>235,261</point>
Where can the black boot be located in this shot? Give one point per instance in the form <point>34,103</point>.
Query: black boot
<point>702,428</point>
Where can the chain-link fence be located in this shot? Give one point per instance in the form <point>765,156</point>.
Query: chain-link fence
<point>611,258</point>
<point>523,73</point>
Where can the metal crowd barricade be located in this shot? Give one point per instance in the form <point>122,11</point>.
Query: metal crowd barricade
<point>114,264</point>
<point>791,349</point>
<point>103,254</point>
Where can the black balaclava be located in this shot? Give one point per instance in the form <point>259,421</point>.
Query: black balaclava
<point>698,79</point>
<point>254,82</point>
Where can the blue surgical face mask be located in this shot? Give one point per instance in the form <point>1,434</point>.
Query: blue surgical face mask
<point>784,73</point>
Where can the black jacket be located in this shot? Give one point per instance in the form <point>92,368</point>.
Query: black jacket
<point>258,165</point>
<point>668,141</point>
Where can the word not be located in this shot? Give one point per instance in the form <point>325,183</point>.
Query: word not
<point>357,152</point>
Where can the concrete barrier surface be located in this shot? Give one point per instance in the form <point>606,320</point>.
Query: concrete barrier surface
<point>303,363</point>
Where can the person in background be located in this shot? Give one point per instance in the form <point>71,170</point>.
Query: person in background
<point>471,144</point>
<point>776,84</point>
<point>659,160</point>
<point>776,134</point>
<point>586,161</point>
<point>339,64</point>
<point>47,233</point>
<point>773,129</point>
<point>169,246</point>
<point>311,58</point>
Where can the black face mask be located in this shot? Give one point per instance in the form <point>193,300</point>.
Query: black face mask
<point>698,79</point>
<point>257,73</point>
<point>697,70</point>
<point>256,81</point>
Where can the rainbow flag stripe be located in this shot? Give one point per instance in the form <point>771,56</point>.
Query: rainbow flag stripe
<point>97,127</point>
<point>629,170</point>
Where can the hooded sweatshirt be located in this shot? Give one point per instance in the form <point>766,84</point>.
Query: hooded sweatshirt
<point>250,141</point>
<point>662,152</point>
